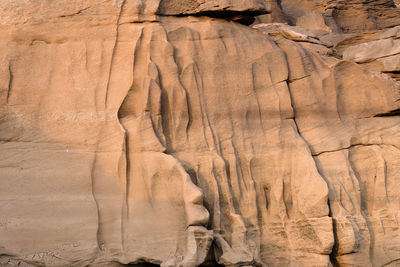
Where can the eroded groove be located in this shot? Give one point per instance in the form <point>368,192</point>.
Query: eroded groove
<point>114,51</point>
<point>98,233</point>
<point>148,69</point>
<point>253,75</point>
<point>267,197</point>
<point>121,114</point>
<point>10,83</point>
<point>210,260</point>
<point>363,195</point>
<point>332,255</point>
<point>334,252</point>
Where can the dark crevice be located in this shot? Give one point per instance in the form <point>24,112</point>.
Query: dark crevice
<point>394,74</point>
<point>392,113</point>
<point>340,149</point>
<point>374,59</point>
<point>392,262</point>
<point>267,197</point>
<point>211,260</point>
<point>334,252</point>
<point>10,82</point>
<point>246,17</point>
<point>127,166</point>
<point>96,201</point>
<point>79,12</point>
<point>143,264</point>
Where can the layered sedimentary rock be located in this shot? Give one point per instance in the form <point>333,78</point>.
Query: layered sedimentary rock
<point>165,132</point>
<point>345,15</point>
<point>379,51</point>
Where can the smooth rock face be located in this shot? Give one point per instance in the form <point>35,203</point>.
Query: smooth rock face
<point>132,132</point>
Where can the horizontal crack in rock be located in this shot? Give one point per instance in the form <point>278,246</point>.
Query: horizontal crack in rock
<point>75,14</point>
<point>392,113</point>
<point>340,149</point>
<point>243,17</point>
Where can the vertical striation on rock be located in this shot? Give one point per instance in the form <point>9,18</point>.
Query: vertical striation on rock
<point>166,133</point>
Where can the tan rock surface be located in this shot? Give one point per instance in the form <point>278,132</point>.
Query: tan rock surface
<point>345,15</point>
<point>131,135</point>
<point>174,7</point>
<point>378,51</point>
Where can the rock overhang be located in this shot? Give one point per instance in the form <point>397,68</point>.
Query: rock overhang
<point>106,12</point>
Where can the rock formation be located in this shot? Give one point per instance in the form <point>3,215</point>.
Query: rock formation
<point>173,133</point>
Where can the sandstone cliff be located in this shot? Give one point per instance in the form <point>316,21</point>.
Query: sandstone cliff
<point>173,133</point>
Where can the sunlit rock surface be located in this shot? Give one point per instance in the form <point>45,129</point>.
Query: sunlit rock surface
<point>169,133</point>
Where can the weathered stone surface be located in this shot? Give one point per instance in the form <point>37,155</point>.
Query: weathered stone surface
<point>175,7</point>
<point>370,51</point>
<point>379,51</point>
<point>133,132</point>
<point>306,38</point>
<point>346,15</point>
<point>275,13</point>
<point>299,34</point>
<point>314,21</point>
<point>350,126</point>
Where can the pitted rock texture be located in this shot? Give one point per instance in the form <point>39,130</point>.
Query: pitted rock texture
<point>163,132</point>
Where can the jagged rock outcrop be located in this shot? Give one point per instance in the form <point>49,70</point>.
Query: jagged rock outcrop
<point>167,133</point>
<point>379,51</point>
<point>344,15</point>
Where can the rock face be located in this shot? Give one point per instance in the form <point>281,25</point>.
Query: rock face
<point>345,15</point>
<point>165,132</point>
<point>179,7</point>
